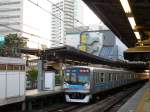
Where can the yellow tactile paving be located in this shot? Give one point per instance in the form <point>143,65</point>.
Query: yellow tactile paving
<point>144,104</point>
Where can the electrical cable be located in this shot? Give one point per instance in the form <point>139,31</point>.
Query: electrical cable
<point>50,13</point>
<point>31,34</point>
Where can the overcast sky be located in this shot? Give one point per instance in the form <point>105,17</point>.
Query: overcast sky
<point>89,17</point>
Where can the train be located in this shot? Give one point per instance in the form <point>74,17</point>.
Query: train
<point>82,83</point>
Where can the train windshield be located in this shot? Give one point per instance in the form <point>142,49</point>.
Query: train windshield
<point>77,77</point>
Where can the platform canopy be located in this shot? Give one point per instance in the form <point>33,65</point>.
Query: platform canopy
<point>66,53</point>
<point>112,13</point>
<point>70,55</point>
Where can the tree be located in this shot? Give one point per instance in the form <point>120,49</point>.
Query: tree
<point>32,75</point>
<point>12,43</point>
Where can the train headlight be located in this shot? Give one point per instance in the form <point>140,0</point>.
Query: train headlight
<point>66,85</point>
<point>87,86</point>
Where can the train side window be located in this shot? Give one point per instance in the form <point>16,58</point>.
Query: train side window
<point>129,76</point>
<point>109,77</point>
<point>122,76</point>
<point>102,77</point>
<point>94,77</point>
<point>116,76</point>
<point>98,77</point>
<point>2,67</point>
<point>112,76</point>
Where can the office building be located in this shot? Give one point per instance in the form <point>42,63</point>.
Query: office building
<point>67,14</point>
<point>26,19</point>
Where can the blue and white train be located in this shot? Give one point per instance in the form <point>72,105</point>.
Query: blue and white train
<point>81,83</point>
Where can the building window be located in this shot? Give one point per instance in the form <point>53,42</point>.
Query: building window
<point>10,10</point>
<point>7,17</point>
<point>9,67</point>
<point>2,67</point>
<point>10,3</point>
<point>16,67</point>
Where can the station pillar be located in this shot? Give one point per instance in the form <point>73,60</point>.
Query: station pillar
<point>61,71</point>
<point>40,84</point>
<point>149,74</point>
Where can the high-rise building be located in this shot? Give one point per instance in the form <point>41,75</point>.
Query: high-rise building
<point>26,19</point>
<point>67,14</point>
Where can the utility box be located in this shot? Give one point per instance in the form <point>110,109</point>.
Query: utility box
<point>49,80</point>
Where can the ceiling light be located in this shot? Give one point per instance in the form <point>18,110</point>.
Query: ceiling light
<point>125,6</point>
<point>132,22</point>
<point>137,35</point>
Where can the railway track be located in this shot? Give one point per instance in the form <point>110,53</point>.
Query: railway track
<point>110,102</point>
<point>66,108</point>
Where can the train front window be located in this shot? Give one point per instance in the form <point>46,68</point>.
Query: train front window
<point>67,77</point>
<point>76,77</point>
<point>73,77</point>
<point>83,78</point>
<point>70,77</point>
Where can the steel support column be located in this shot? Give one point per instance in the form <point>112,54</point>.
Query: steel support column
<point>40,79</point>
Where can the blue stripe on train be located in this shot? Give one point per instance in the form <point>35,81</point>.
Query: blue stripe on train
<point>79,87</point>
<point>106,85</point>
<point>102,86</point>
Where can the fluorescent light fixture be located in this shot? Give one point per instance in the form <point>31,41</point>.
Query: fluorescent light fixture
<point>132,22</point>
<point>125,6</point>
<point>137,35</point>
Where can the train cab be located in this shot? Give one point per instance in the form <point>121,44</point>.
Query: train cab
<point>77,84</point>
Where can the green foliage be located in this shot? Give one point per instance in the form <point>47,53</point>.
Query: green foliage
<point>57,77</point>
<point>11,45</point>
<point>33,73</point>
<point>13,40</point>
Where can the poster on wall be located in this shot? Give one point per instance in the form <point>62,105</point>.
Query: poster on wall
<point>49,80</point>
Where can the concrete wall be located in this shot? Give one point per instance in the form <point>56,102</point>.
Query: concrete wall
<point>12,80</point>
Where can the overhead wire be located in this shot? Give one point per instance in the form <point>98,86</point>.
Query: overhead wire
<point>31,34</point>
<point>50,13</point>
<point>18,30</point>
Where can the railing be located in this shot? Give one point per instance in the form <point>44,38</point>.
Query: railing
<point>11,52</point>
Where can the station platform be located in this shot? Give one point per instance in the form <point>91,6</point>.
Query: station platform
<point>36,93</point>
<point>36,96</point>
<point>140,102</point>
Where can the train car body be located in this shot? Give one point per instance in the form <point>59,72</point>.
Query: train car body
<point>81,83</point>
